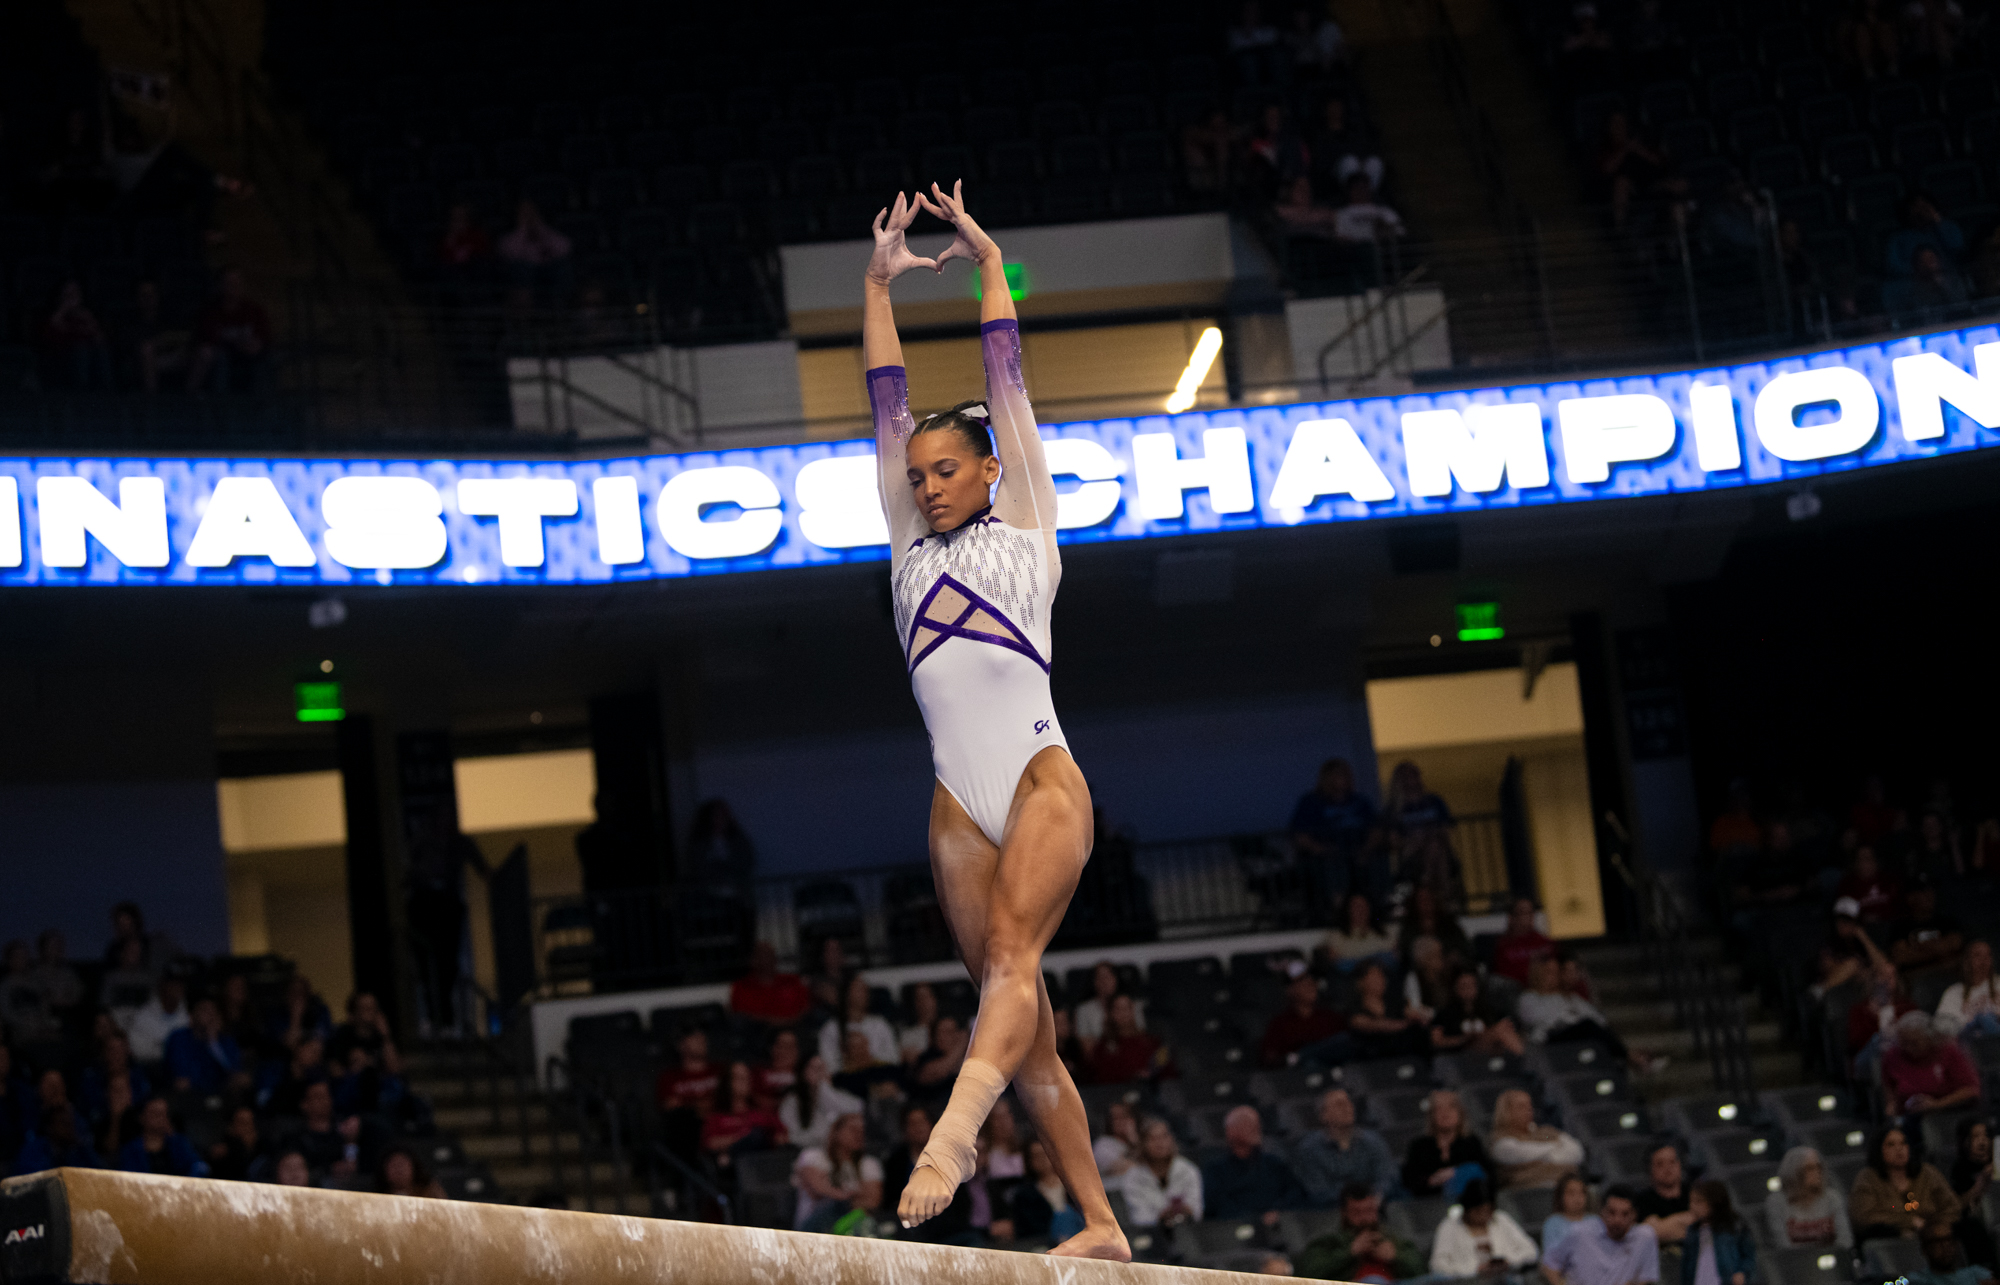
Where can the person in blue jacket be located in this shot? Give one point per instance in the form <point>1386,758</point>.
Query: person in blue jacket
<point>57,1144</point>
<point>158,1149</point>
<point>202,1057</point>
<point>1719,1249</point>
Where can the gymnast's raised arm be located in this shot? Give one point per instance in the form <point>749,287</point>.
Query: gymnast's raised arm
<point>888,387</point>
<point>1026,496</point>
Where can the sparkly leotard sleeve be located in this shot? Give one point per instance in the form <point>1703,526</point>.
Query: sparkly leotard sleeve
<point>973,604</point>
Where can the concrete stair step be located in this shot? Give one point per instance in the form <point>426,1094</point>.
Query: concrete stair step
<point>636,1204</point>
<point>499,1147</point>
<point>479,1118</point>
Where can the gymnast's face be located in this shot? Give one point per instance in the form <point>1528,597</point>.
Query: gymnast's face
<point>948,480</point>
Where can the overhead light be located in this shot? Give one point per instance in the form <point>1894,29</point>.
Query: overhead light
<point>1802,505</point>
<point>1203,356</point>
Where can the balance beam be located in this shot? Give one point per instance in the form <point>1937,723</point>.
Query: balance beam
<point>99,1227</point>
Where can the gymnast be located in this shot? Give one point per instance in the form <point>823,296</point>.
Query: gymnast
<point>974,569</point>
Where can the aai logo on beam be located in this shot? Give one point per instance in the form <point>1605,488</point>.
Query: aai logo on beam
<point>466,522</point>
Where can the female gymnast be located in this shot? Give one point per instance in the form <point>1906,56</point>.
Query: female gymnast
<point>974,571</point>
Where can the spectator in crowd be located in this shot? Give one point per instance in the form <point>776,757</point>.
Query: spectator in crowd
<point>1068,1048</point>
<point>1332,821</point>
<point>1521,944</point>
<point>828,983</point>
<point>1924,228</point>
<point>156,1019</point>
<point>1163,1188</point>
<point>1925,937</point>
<point>1629,167</point>
<point>1378,1025</point>
<point>54,973</point>
<point>1093,1014</point>
<point>1527,1154</point>
<point>1923,1073</point>
<point>1662,1205</point>
<point>1364,220</point>
<point>1945,1258</point>
<point>1804,1211</point>
<point>1876,893</point>
<point>1277,154</point>
<point>1246,1181</point>
<point>286,1084</point>
<point>1895,1195</point>
<point>1424,917</point>
<point>1343,1154</point>
<point>25,1012</point>
<point>739,1122</point>
<point>1340,149</point>
<point>1613,1248</point>
<point>366,1028</point>
<point>1126,1053</point>
<point>58,1143</point>
<point>862,1073</point>
<point>1117,1147</point>
<point>1477,1240</point>
<point>1359,938</point>
<point>128,923</point>
<point>1448,1154</point>
<point>1569,1209</point>
<point>232,340</point>
<point>1937,856</point>
<point>914,1037</point>
<point>74,350</point>
<point>303,1016</point>
<point>1776,876</point>
<point>690,1085</point>
<point>1849,951</point>
<point>1005,1159</point>
<point>1549,1015</point>
<point>158,1148</point>
<point>781,1068</point>
<point>1472,1018</point>
<point>936,1068</point>
<point>1040,1207</point>
<point>1305,1029</point>
<point>330,1144</point>
<point>1720,1247</point>
<point>1871,1020</point>
<point>1427,980</point>
<point>240,1155</point>
<point>1316,42</point>
<point>537,259</point>
<point>837,1178</point>
<point>811,1106</point>
<point>1253,44</point>
<point>240,1020</point>
<point>1360,1248</point>
<point>127,983</point>
<point>291,1170</point>
<point>401,1173</point>
<point>1208,154</point>
<point>1300,213</point>
<point>1972,1165</point>
<point>203,1058</point>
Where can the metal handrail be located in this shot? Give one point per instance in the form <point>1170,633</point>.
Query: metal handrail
<point>1367,317</point>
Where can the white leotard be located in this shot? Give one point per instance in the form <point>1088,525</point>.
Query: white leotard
<point>973,604</point>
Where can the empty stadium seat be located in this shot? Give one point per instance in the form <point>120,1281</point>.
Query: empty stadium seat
<point>1810,1266</point>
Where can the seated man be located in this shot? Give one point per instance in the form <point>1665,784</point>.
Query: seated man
<point>1922,1073</point>
<point>1945,1261</point>
<point>1361,1248</point>
<point>1522,944</point>
<point>767,995</point>
<point>1344,1155</point>
<point>1248,1181</point>
<point>202,1057</point>
<point>1305,1024</point>
<point>1925,937</point>
<point>1611,1249</point>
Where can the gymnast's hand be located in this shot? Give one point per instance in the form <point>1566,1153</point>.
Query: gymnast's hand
<point>892,257</point>
<point>969,240</point>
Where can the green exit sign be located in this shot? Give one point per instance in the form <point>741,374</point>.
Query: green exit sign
<point>318,702</point>
<point>1479,622</point>
<point>1017,282</point>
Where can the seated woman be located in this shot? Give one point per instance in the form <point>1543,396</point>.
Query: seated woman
<point>739,1121</point>
<point>1571,1210</point>
<point>863,1073</point>
<point>1359,940</point>
<point>1719,1247</point>
<point>1423,918</point>
<point>1478,1240</point>
<point>812,1105</point>
<point>1551,1015</point>
<point>1040,1206</point>
<point>1427,984</point>
<point>1971,1172</point>
<point>883,1046</point>
<point>1804,1211</point>
<point>400,1173</point>
<point>1472,1020</point>
<point>1447,1155</point>
<point>1118,1146</point>
<point>1379,1026</point>
<point>1163,1187</point>
<point>1895,1196</point>
<point>1528,1154</point>
<point>1126,1053</point>
<point>838,1181</point>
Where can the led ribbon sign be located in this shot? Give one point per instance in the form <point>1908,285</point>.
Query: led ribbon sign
<point>342,522</point>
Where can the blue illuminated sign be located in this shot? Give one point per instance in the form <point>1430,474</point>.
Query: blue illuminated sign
<point>465,522</point>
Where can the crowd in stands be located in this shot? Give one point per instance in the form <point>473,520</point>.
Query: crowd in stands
<point>1852,145</point>
<point>150,1060</point>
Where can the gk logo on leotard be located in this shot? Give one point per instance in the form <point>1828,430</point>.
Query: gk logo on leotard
<point>1041,725</point>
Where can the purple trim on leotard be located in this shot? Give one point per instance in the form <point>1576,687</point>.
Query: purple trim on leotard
<point>1014,640</point>
<point>1002,323</point>
<point>885,372</point>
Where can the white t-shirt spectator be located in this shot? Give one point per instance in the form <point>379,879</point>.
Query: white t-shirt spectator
<point>845,1177</point>
<point>1541,1014</point>
<point>912,1040</point>
<point>1089,1018</point>
<point>828,1105</point>
<point>1959,1005</point>
<point>1146,1197</point>
<point>1347,946</point>
<point>1366,221</point>
<point>1462,1252</point>
<point>882,1043</point>
<point>149,1028</point>
<point>1113,1154</point>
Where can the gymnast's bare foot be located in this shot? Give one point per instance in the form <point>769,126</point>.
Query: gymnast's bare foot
<point>1106,1242</point>
<point>928,1194</point>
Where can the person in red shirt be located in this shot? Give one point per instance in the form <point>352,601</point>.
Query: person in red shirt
<point>233,339</point>
<point>1302,1024</point>
<point>781,1071</point>
<point>1877,894</point>
<point>1522,944</point>
<point>1923,1073</point>
<point>1872,1018</point>
<point>766,994</point>
<point>691,1085</point>
<point>1126,1053</point>
<point>739,1121</point>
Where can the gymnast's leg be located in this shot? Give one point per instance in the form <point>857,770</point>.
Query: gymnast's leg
<point>1003,907</point>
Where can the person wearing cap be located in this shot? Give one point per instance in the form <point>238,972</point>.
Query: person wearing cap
<point>1304,1027</point>
<point>1925,937</point>
<point>1849,951</point>
<point>1922,1073</point>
